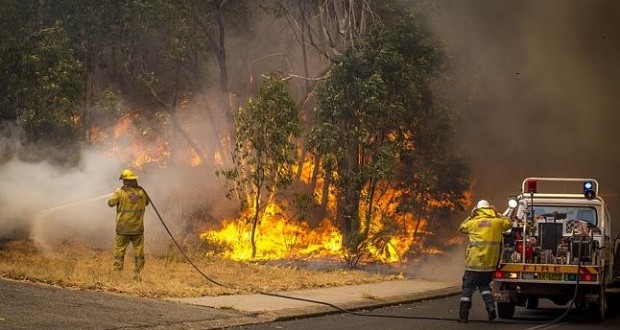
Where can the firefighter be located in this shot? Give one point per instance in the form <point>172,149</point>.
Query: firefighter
<point>130,202</point>
<point>484,227</point>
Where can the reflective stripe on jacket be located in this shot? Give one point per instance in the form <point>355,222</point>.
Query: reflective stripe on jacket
<point>130,202</point>
<point>485,230</point>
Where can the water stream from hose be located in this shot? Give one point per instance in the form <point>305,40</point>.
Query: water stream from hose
<point>40,228</point>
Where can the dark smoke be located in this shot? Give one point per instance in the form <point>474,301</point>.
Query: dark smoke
<point>540,90</point>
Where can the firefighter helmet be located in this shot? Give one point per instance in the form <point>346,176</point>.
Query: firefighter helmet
<point>127,174</point>
<point>482,204</point>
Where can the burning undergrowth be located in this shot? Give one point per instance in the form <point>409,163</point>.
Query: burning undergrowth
<point>60,206</point>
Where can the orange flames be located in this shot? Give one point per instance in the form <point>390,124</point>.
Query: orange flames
<point>279,235</point>
<point>390,235</point>
<point>276,238</point>
<point>141,143</point>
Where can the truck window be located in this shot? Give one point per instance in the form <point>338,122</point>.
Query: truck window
<point>567,213</point>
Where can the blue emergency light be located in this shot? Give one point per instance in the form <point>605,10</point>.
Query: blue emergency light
<point>589,190</point>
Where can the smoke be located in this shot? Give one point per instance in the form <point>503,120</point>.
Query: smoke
<point>446,266</point>
<point>539,90</point>
<point>57,205</point>
<point>31,196</point>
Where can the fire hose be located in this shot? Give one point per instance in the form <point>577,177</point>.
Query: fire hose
<point>189,260</point>
<point>572,301</point>
<point>347,311</point>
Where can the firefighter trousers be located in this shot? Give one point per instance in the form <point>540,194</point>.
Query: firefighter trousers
<point>121,243</point>
<point>471,282</point>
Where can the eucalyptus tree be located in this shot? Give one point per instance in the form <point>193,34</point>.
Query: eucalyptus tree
<point>265,151</point>
<point>41,76</point>
<point>14,26</point>
<point>376,115</point>
<point>322,30</point>
<point>47,110</point>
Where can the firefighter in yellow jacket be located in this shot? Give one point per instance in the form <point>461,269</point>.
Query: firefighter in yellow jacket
<point>484,227</point>
<point>130,202</point>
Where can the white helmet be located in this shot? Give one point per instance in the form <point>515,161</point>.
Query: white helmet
<point>482,204</point>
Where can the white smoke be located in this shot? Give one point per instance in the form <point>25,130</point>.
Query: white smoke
<point>445,266</point>
<point>54,204</point>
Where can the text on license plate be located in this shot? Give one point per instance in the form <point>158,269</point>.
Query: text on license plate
<point>550,276</point>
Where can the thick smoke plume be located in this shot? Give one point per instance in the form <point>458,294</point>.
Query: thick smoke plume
<point>540,92</point>
<point>57,205</point>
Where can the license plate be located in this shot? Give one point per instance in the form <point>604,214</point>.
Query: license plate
<point>550,276</point>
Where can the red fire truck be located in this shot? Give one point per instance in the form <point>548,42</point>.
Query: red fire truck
<point>560,247</point>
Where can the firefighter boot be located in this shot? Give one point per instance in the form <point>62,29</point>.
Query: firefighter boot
<point>118,263</point>
<point>464,311</point>
<point>138,268</point>
<point>490,306</point>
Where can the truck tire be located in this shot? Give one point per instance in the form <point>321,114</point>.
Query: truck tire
<point>596,311</point>
<point>506,310</point>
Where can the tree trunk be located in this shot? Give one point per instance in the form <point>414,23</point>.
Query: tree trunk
<point>347,210</point>
<point>255,219</point>
<point>419,216</point>
<point>372,188</point>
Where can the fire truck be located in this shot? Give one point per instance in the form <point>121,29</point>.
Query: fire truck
<point>560,248</point>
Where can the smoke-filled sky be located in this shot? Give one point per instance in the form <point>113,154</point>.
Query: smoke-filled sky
<point>541,95</point>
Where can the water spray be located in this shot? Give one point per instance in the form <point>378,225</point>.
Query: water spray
<point>37,232</point>
<point>51,210</point>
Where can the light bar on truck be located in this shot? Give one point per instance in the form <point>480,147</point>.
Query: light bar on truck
<point>589,186</point>
<point>532,186</point>
<point>589,189</point>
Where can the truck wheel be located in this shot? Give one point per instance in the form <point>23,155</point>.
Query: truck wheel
<point>506,310</point>
<point>596,311</point>
<point>532,303</point>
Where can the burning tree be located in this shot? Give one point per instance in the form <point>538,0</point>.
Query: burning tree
<point>376,119</point>
<point>264,152</point>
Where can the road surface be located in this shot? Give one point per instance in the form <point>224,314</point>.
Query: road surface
<point>442,314</point>
<point>32,306</point>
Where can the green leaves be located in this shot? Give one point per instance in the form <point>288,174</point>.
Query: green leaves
<point>51,86</point>
<point>265,131</point>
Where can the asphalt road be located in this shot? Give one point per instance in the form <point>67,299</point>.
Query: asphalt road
<point>32,306</point>
<point>442,314</point>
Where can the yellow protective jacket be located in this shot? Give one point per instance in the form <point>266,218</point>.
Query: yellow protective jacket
<point>484,228</point>
<point>130,202</point>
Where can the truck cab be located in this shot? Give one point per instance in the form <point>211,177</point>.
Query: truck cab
<point>560,247</point>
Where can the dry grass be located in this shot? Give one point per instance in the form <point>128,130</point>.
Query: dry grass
<point>168,275</point>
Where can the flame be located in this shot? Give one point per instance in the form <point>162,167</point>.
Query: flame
<point>141,142</point>
<point>136,145</point>
<point>390,234</point>
<point>276,238</point>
